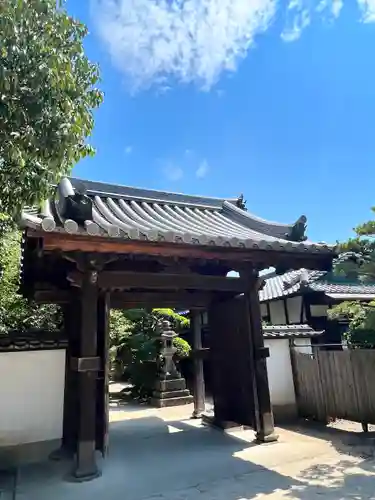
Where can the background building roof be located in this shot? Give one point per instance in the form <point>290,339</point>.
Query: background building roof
<point>289,331</point>
<point>303,280</point>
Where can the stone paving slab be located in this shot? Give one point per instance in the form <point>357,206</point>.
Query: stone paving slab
<point>162,455</point>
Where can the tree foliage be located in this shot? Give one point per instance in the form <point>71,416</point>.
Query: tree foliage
<point>16,314</point>
<point>133,339</point>
<point>357,264</point>
<point>361,322</point>
<point>47,96</point>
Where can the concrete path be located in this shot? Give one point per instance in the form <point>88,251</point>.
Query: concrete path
<point>162,455</point>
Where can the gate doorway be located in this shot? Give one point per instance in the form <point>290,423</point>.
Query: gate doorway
<point>95,246</point>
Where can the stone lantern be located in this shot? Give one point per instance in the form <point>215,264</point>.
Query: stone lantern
<point>170,387</point>
<point>166,366</point>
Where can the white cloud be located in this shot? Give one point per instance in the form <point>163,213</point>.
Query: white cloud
<point>368,10</point>
<point>128,150</point>
<point>195,41</point>
<point>202,170</point>
<point>337,5</point>
<point>300,13</point>
<point>188,40</point>
<point>173,172</point>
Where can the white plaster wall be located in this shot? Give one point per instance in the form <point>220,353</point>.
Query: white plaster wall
<point>280,374</point>
<point>277,312</point>
<point>279,368</point>
<point>294,305</point>
<point>31,396</point>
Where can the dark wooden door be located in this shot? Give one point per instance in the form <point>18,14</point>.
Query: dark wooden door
<point>102,394</point>
<point>72,325</point>
<point>232,366</point>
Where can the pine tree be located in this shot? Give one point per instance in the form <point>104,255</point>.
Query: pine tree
<point>357,264</point>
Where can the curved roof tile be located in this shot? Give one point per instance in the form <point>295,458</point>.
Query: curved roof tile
<point>132,213</point>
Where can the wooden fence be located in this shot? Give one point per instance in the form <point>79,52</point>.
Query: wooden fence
<point>335,384</point>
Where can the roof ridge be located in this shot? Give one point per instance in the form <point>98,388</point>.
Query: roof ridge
<point>147,194</point>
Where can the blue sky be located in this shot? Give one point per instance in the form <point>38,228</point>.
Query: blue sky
<point>216,97</point>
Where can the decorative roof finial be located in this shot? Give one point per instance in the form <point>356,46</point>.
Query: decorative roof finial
<point>241,203</point>
<point>298,230</point>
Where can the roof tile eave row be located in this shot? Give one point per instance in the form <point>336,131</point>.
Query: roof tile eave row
<point>115,232</point>
<point>289,331</point>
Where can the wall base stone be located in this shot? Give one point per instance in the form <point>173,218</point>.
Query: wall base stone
<point>27,453</point>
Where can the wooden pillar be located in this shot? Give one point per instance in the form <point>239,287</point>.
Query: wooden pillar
<point>102,421</point>
<point>87,366</point>
<point>199,388</point>
<point>264,422</point>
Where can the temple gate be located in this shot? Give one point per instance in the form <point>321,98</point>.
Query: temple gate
<point>94,246</point>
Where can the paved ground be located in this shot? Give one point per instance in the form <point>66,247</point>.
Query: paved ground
<point>163,455</point>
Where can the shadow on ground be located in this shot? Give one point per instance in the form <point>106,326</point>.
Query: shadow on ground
<point>343,480</point>
<point>353,441</point>
<point>353,477</point>
<point>154,459</point>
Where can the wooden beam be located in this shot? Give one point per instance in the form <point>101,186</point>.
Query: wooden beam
<point>52,296</point>
<point>130,300</point>
<point>127,280</point>
<point>268,257</point>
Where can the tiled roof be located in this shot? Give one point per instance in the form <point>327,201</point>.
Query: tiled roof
<point>294,282</point>
<point>343,288</point>
<point>131,213</point>
<point>289,331</point>
<point>30,343</point>
<point>287,284</point>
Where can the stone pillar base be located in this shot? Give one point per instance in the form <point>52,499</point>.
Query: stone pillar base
<point>171,392</point>
<point>223,425</point>
<point>263,438</point>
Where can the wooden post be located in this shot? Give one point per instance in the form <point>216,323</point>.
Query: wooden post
<point>265,431</point>
<point>103,381</point>
<point>87,366</point>
<point>199,388</point>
